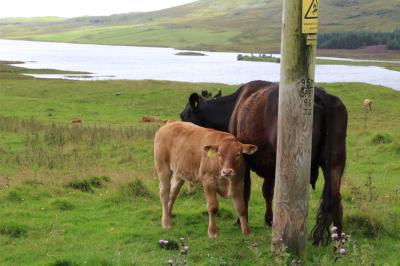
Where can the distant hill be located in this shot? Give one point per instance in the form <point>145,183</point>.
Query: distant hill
<point>234,25</point>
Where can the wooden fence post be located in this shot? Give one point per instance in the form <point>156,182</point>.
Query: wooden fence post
<point>295,122</point>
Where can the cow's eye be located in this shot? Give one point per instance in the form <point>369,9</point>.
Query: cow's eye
<point>238,155</point>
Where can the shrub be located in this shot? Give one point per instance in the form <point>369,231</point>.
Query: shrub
<point>14,196</point>
<point>382,139</point>
<point>63,263</point>
<point>13,230</point>
<point>136,189</point>
<point>98,181</point>
<point>87,184</point>
<point>369,226</point>
<point>82,185</point>
<point>63,205</point>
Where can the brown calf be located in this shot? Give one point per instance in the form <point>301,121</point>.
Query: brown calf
<point>186,152</point>
<point>151,120</point>
<point>76,121</point>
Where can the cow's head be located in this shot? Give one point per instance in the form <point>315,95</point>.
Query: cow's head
<point>193,110</point>
<point>229,154</point>
<point>197,109</point>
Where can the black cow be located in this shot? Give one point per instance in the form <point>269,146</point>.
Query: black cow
<point>251,115</point>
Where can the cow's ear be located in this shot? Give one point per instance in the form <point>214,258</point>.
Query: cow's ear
<point>249,148</point>
<point>218,94</point>
<point>211,150</point>
<point>194,100</point>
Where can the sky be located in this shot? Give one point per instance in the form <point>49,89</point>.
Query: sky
<point>75,8</point>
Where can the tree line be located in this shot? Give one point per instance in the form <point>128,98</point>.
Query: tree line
<point>354,40</point>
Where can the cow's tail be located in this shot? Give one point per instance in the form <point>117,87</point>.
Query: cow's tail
<point>320,232</point>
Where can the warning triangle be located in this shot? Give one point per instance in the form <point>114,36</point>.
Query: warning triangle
<point>312,12</point>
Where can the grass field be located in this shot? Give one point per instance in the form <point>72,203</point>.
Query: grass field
<point>88,194</point>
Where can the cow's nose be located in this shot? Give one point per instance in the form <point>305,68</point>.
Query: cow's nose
<point>227,172</point>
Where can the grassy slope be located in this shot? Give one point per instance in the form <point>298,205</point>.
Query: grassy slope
<point>240,25</point>
<point>44,222</point>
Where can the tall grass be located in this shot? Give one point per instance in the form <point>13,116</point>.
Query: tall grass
<point>63,146</point>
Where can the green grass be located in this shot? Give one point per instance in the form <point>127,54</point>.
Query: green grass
<point>7,70</point>
<point>88,194</point>
<point>151,35</point>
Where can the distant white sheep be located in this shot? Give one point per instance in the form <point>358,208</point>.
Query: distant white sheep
<point>367,104</point>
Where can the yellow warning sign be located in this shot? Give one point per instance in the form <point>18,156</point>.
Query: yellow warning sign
<point>310,16</point>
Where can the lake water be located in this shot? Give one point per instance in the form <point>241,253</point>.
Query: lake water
<point>126,62</point>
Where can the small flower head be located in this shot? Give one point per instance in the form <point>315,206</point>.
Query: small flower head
<point>335,236</point>
<point>161,241</point>
<point>342,251</point>
<point>343,235</point>
<point>165,242</point>
<point>297,261</point>
<point>170,262</point>
<point>254,245</point>
<point>186,248</point>
<point>343,240</point>
<point>182,239</point>
<point>334,229</point>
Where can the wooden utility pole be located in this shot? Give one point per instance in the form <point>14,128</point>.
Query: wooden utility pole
<point>295,122</point>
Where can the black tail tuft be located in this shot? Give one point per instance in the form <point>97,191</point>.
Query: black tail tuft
<point>321,233</point>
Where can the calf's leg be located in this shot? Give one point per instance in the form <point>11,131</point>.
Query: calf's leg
<point>212,206</point>
<point>164,174</point>
<point>176,187</point>
<point>239,204</point>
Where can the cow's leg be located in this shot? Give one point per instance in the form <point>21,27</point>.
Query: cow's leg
<point>212,206</point>
<point>337,208</point>
<point>330,209</point>
<point>239,203</point>
<point>175,188</point>
<point>164,175</point>
<point>268,193</point>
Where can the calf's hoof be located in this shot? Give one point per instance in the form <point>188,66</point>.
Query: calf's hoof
<point>166,225</point>
<point>212,235</point>
<point>246,231</point>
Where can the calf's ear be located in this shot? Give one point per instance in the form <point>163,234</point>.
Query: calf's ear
<point>249,148</point>
<point>194,100</point>
<point>211,150</point>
